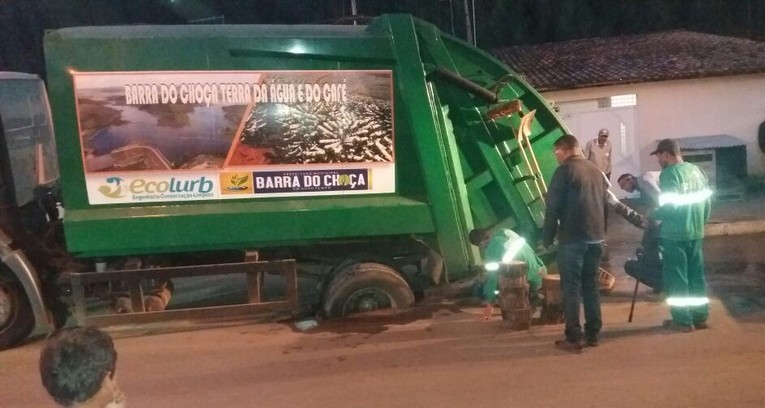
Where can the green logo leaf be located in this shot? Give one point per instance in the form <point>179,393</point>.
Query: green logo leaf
<point>238,181</point>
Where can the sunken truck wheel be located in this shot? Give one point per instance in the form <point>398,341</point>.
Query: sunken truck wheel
<point>16,320</point>
<point>365,287</point>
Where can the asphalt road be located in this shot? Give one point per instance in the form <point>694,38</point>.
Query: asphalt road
<point>440,355</point>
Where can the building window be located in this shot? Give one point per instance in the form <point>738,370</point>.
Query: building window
<point>620,101</point>
<point>617,101</point>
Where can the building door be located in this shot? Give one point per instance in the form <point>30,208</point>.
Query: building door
<point>586,118</point>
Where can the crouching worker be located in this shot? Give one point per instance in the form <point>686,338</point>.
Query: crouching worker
<point>504,245</point>
<point>77,368</point>
<point>647,267</point>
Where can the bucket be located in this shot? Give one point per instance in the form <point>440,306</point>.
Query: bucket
<point>552,308</point>
<point>606,280</point>
<point>551,289</point>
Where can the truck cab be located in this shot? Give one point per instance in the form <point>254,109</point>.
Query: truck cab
<point>28,210</point>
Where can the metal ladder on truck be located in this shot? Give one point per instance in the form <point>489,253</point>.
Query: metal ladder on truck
<point>531,179</point>
<point>502,175</point>
<point>526,174</point>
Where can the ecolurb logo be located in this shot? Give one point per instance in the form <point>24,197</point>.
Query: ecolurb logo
<point>201,185</point>
<point>163,189</point>
<point>108,191</point>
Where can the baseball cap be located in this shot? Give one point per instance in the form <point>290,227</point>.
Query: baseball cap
<point>668,146</point>
<point>603,132</point>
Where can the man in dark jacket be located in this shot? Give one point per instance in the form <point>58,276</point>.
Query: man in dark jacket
<point>576,198</point>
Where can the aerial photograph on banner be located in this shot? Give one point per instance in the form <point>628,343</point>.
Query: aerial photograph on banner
<point>150,121</point>
<point>191,120</point>
<point>234,134</point>
<point>323,117</point>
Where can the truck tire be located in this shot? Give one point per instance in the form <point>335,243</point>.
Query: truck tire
<point>363,287</point>
<point>16,318</point>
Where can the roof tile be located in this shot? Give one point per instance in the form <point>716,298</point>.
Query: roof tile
<point>661,56</point>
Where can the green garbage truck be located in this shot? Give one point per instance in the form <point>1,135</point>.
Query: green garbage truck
<point>353,153</point>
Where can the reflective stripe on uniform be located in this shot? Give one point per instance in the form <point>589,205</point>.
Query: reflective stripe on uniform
<point>509,254</point>
<point>685,199</point>
<point>687,301</point>
<point>513,250</point>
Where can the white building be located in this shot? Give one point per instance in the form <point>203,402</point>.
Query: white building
<point>644,88</point>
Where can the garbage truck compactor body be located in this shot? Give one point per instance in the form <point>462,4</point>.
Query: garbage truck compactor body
<point>353,152</point>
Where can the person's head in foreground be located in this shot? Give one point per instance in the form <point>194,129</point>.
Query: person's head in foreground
<point>77,369</point>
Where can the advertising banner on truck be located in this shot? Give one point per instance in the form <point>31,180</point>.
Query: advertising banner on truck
<point>154,136</point>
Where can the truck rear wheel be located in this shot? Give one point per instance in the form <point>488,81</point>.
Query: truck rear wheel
<point>16,319</point>
<point>365,287</point>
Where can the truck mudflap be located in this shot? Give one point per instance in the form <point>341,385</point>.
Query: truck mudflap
<point>26,274</point>
<point>134,278</point>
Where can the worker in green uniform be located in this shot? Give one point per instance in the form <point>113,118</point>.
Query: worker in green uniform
<point>684,207</point>
<point>504,245</point>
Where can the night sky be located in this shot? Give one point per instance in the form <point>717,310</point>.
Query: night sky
<point>500,22</point>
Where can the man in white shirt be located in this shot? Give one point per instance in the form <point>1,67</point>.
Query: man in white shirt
<point>647,267</point>
<point>598,151</point>
<point>647,184</point>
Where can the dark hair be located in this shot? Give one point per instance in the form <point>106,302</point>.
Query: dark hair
<point>670,146</point>
<point>624,176</point>
<point>478,235</point>
<point>567,142</point>
<point>74,363</point>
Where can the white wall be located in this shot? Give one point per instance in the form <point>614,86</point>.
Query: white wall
<point>733,105</point>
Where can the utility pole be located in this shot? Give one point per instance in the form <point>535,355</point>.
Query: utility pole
<point>475,36</point>
<point>451,15</point>
<point>468,25</point>
<point>353,11</point>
